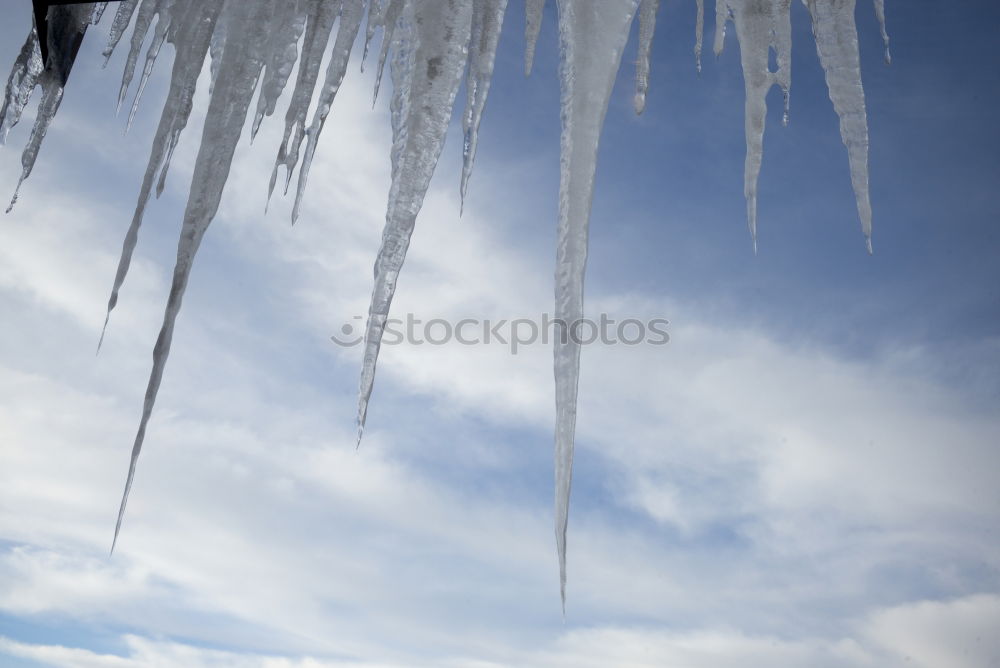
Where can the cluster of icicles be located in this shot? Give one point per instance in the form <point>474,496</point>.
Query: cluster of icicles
<point>431,45</point>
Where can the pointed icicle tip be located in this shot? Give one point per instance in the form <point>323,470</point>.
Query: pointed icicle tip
<point>533,11</point>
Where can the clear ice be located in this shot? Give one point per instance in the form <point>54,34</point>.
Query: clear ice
<point>432,47</point>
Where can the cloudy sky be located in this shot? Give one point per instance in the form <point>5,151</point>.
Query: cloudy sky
<point>805,475</point>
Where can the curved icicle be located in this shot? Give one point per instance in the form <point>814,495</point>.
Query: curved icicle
<point>837,45</point>
<point>430,47</point>
<point>647,26</point>
<point>195,33</point>
<point>487,20</point>
<point>242,61</point>
<point>592,37</point>
<point>533,10</point>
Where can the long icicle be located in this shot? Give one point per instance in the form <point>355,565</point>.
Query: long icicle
<point>837,45</point>
<point>761,25</point>
<point>430,53</point>
<point>699,33</point>
<point>163,26</point>
<point>533,11</point>
<point>242,60</point>
<point>592,37</point>
<point>390,19</point>
<point>347,32</point>
<point>321,17</point>
<point>195,33</point>
<point>148,10</point>
<point>487,20</point>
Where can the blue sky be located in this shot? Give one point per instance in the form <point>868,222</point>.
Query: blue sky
<point>805,475</point>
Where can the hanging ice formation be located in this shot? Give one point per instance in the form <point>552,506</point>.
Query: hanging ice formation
<point>431,45</point>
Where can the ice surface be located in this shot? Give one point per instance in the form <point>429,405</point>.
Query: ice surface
<point>432,45</point>
<point>592,36</point>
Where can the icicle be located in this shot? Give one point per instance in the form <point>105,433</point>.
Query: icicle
<point>760,26</point>
<point>67,26</point>
<point>322,14</point>
<point>699,32</point>
<point>122,18</point>
<point>98,12</point>
<point>837,45</point>
<point>533,10</point>
<point>487,19</point>
<point>22,81</point>
<point>647,26</point>
<point>376,20</point>
<point>350,22</point>
<point>240,66</point>
<point>722,15</point>
<point>282,47</point>
<point>880,15</point>
<point>194,33</point>
<point>592,36</point>
<point>429,55</point>
<point>159,36</point>
<point>392,14</point>
<point>143,20</point>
